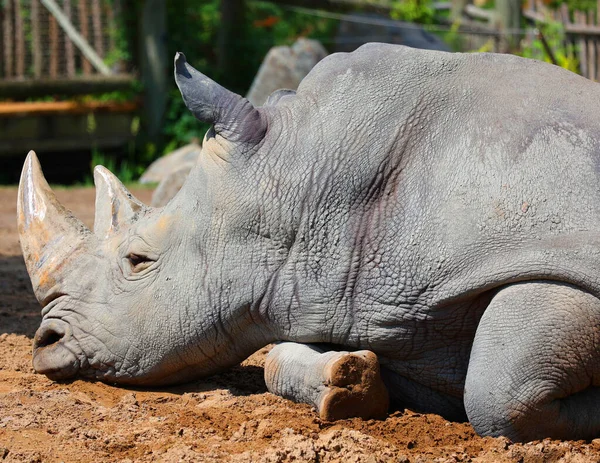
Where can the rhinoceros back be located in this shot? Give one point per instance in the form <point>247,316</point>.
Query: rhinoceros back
<point>437,177</point>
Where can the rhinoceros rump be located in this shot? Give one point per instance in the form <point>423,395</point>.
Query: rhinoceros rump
<point>441,211</point>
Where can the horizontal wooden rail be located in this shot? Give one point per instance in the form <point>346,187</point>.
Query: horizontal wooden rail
<point>32,88</point>
<point>479,13</point>
<point>579,29</point>
<point>64,107</point>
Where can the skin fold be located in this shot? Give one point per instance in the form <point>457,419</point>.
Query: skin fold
<point>439,210</point>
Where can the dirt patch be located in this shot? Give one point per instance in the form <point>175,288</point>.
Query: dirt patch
<point>228,417</point>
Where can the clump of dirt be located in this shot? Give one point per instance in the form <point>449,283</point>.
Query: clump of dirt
<point>228,417</point>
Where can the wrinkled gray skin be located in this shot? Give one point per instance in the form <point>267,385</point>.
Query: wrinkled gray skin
<point>441,210</point>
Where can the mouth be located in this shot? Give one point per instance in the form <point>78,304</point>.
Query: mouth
<point>51,355</point>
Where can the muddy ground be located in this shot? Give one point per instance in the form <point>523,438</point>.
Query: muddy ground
<point>229,417</point>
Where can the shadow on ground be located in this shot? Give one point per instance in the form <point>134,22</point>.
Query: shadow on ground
<point>20,314</point>
<point>19,310</point>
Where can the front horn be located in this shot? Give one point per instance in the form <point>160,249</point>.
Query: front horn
<point>50,235</point>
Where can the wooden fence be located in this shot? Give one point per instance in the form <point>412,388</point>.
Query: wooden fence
<point>37,41</point>
<point>582,31</point>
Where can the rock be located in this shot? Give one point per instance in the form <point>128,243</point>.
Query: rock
<point>285,67</point>
<point>169,163</point>
<point>170,172</point>
<point>170,185</point>
<point>372,27</point>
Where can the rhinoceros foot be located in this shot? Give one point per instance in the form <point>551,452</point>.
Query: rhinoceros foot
<point>354,388</point>
<point>338,384</point>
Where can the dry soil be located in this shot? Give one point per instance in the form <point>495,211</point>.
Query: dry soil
<point>229,417</point>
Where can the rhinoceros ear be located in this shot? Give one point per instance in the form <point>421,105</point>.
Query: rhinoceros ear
<point>277,95</point>
<point>115,205</point>
<point>233,116</point>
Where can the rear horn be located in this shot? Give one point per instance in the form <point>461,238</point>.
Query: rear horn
<point>115,205</point>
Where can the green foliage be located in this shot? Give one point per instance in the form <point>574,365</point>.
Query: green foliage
<point>127,170</point>
<point>118,96</point>
<point>120,37</point>
<point>129,167</point>
<point>453,38</point>
<point>208,21</point>
<point>273,25</point>
<point>193,26</point>
<point>563,51</point>
<point>582,5</point>
<point>180,125</point>
<point>416,11</point>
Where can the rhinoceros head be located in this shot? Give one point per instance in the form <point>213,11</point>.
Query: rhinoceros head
<point>151,296</point>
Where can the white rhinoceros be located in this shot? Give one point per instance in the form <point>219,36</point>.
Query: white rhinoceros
<point>438,212</point>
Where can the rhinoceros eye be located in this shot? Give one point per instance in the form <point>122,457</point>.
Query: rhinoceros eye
<point>139,262</point>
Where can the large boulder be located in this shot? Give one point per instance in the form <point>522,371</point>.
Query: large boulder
<point>164,166</point>
<point>170,185</point>
<point>361,28</point>
<point>285,67</point>
<point>170,171</point>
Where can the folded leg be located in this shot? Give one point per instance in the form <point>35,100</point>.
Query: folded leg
<point>338,384</point>
<point>534,370</point>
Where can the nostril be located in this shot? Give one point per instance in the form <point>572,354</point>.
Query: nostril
<point>48,335</point>
<point>48,338</point>
<point>52,355</point>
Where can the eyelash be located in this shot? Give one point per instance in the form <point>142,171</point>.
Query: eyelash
<point>138,262</point>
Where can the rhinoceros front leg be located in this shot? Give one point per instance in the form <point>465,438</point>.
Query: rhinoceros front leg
<point>534,370</point>
<point>338,384</point>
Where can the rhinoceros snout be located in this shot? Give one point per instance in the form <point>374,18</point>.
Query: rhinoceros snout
<point>51,356</point>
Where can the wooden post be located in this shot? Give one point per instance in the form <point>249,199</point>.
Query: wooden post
<point>509,14</point>
<point>97,25</point>
<point>597,21</point>
<point>536,54</point>
<point>591,46</point>
<point>69,51</point>
<point>583,65</point>
<point>154,65</point>
<point>565,18</point>
<point>564,13</point>
<point>19,42</point>
<point>1,41</point>
<point>539,7</point>
<point>457,8</point>
<point>8,36</point>
<point>232,22</point>
<point>85,32</point>
<point>112,26</point>
<point>53,36</point>
<point>36,49</point>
